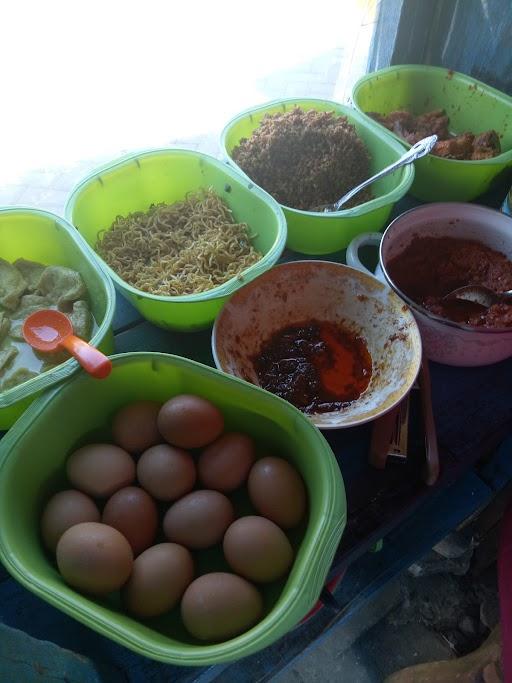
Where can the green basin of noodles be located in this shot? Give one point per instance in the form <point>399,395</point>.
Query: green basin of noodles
<point>176,249</point>
<point>138,182</point>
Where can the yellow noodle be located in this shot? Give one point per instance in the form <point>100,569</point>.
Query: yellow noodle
<point>183,248</point>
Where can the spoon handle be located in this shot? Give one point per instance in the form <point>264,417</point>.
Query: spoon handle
<point>420,149</point>
<point>91,359</point>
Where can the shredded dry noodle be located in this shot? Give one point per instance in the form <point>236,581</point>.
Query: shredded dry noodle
<point>183,248</point>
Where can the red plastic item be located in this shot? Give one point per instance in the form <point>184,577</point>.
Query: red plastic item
<point>505,592</point>
<point>319,605</point>
<point>48,330</point>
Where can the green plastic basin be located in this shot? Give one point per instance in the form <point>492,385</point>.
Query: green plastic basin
<point>42,236</point>
<point>135,182</point>
<point>471,106</point>
<point>317,233</point>
<point>32,458</point>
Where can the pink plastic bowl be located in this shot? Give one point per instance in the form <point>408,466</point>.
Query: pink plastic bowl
<point>445,341</point>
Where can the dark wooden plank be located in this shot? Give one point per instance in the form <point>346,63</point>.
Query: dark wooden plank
<point>472,404</point>
<point>147,337</point>
<point>497,472</point>
<point>125,315</point>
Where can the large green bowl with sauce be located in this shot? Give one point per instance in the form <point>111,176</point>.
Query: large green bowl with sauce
<point>49,239</point>
<point>471,105</point>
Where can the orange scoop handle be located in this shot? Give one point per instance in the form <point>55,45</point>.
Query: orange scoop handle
<point>92,360</point>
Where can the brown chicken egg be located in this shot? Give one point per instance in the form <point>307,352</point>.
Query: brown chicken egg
<point>64,510</point>
<point>219,606</point>
<point>132,512</point>
<point>224,465</point>
<point>166,472</point>
<point>257,549</point>
<point>159,578</point>
<point>134,426</point>
<point>277,491</point>
<point>190,421</point>
<point>100,469</point>
<point>95,558</point>
<point>199,520</point>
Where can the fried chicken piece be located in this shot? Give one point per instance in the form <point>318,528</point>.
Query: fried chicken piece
<point>460,147</point>
<point>489,139</point>
<point>486,145</point>
<point>482,154</point>
<point>433,123</point>
<point>380,118</point>
<point>400,122</point>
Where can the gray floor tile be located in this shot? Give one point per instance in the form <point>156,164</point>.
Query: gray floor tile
<point>350,667</point>
<point>43,197</point>
<point>339,655</point>
<point>393,647</point>
<point>41,177</point>
<point>10,194</point>
<point>72,175</point>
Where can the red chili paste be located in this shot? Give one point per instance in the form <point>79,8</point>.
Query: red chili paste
<point>317,366</point>
<point>431,267</point>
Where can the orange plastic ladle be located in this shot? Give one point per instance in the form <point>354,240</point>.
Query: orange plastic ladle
<point>49,330</point>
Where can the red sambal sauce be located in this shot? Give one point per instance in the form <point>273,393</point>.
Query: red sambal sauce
<point>429,268</point>
<point>315,365</point>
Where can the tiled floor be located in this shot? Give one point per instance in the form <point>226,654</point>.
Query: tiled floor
<point>325,66</point>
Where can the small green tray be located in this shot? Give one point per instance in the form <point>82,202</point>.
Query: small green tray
<point>42,236</point>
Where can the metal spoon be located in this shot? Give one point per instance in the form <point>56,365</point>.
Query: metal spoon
<point>420,149</point>
<point>478,294</point>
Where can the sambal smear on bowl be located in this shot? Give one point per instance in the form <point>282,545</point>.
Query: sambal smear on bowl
<point>317,365</point>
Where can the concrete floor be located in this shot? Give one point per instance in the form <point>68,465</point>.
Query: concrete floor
<point>370,648</point>
<point>58,130</point>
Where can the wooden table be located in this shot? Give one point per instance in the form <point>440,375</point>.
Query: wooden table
<point>391,510</point>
